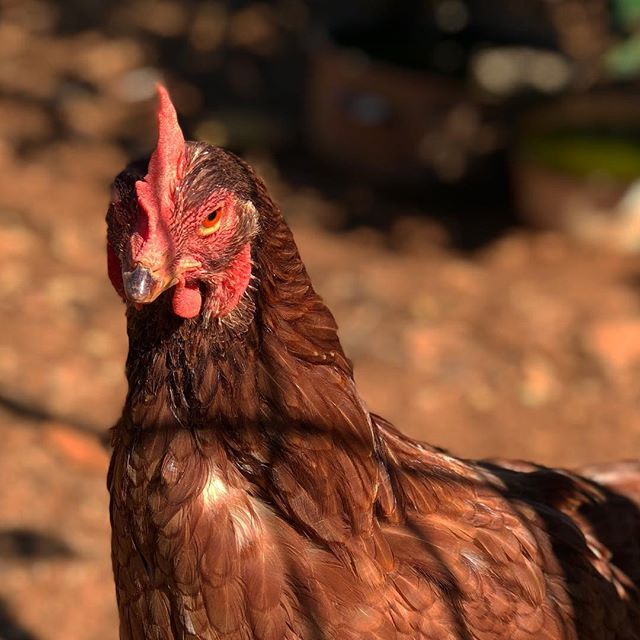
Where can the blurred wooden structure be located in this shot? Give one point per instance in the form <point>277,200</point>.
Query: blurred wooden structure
<point>372,117</point>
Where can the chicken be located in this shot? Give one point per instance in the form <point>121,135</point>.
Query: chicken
<point>254,496</point>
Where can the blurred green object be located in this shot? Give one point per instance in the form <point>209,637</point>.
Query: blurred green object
<point>623,59</point>
<point>583,153</point>
<point>627,13</point>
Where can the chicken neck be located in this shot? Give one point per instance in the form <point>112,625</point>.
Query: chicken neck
<point>269,397</point>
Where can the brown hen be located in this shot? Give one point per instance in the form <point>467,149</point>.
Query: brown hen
<point>253,495</point>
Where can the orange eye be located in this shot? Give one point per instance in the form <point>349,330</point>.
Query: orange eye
<point>211,223</point>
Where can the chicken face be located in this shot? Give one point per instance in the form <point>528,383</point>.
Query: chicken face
<point>187,225</point>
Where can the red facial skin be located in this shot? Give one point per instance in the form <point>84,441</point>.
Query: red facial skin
<point>166,249</point>
<point>223,287</point>
<point>232,284</point>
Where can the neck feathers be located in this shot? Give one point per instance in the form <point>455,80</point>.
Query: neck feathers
<point>275,358</point>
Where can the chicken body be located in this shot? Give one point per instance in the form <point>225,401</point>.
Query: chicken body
<point>254,497</point>
<point>453,551</point>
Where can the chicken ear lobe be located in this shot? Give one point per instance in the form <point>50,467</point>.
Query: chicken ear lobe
<point>156,190</point>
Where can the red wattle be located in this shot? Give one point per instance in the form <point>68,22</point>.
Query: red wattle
<point>115,271</point>
<point>187,300</point>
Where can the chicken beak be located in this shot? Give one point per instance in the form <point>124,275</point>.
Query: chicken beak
<point>143,285</point>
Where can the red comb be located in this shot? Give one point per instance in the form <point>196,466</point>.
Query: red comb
<point>155,192</point>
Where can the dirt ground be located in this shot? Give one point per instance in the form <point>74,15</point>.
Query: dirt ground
<point>529,348</point>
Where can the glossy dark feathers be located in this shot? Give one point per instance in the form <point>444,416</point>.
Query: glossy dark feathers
<point>254,497</point>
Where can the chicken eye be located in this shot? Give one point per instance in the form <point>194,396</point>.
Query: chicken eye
<point>211,223</point>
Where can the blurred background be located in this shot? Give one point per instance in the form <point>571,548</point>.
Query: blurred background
<point>462,178</point>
